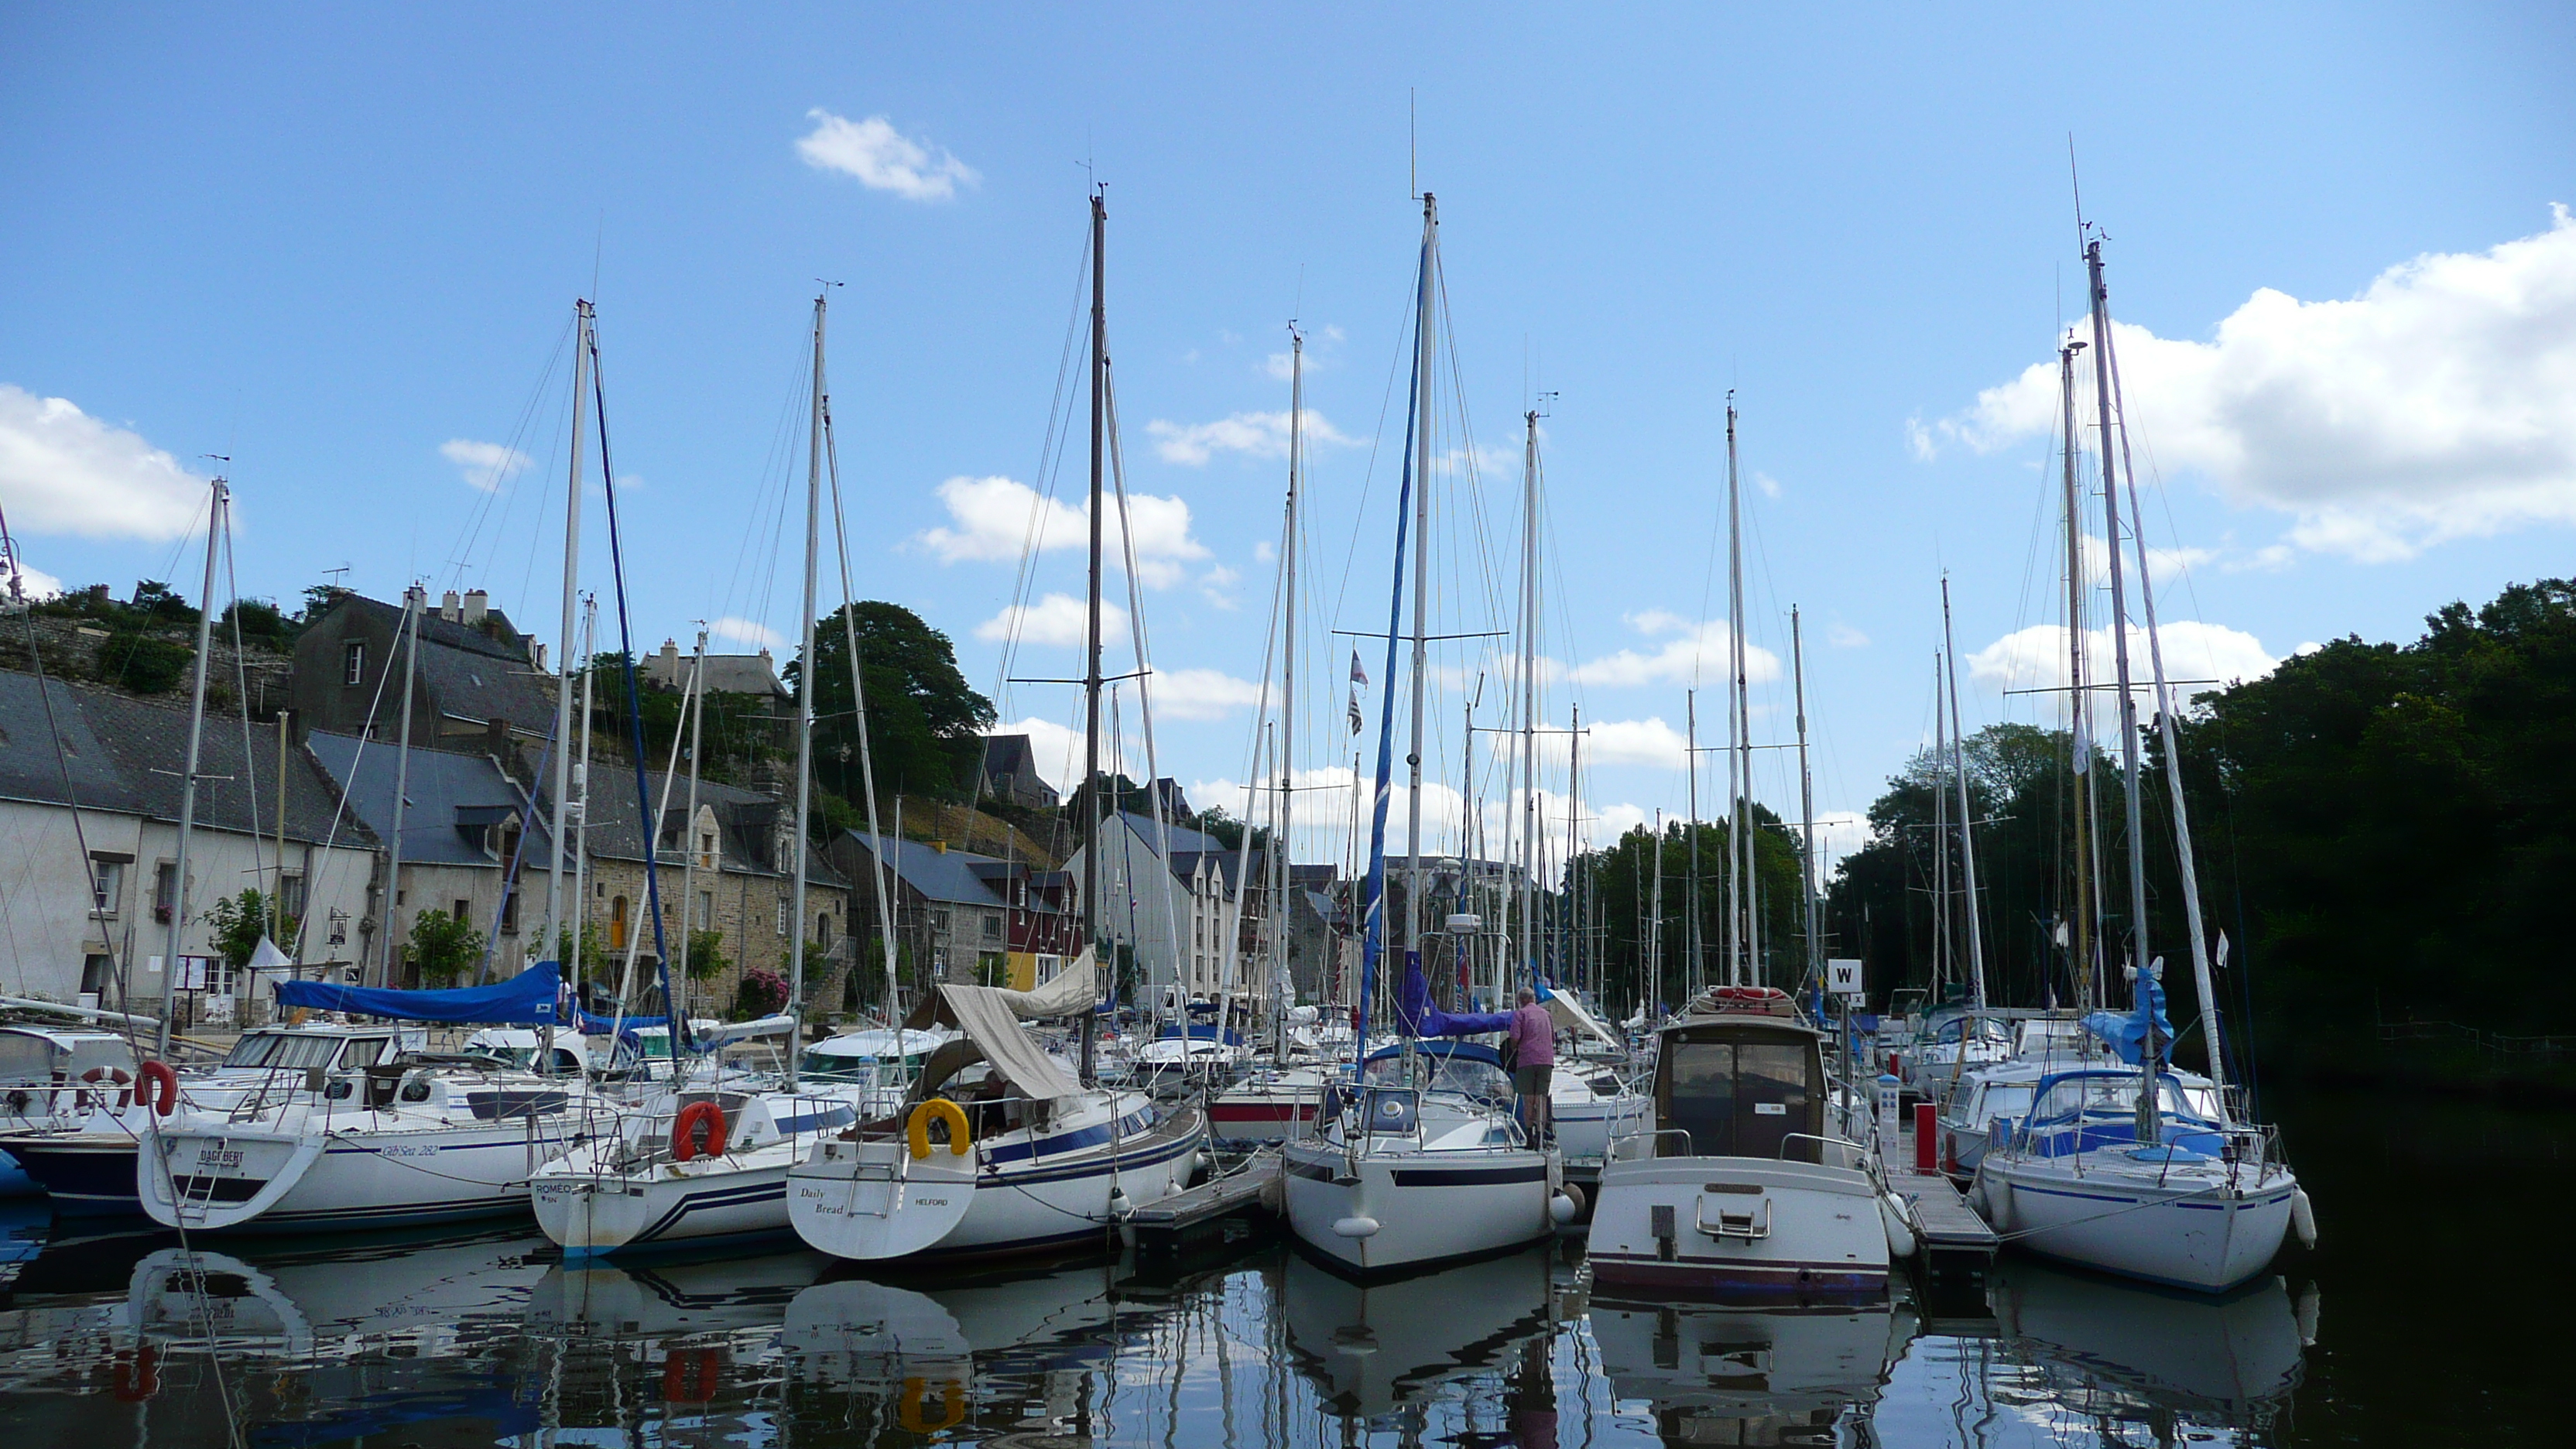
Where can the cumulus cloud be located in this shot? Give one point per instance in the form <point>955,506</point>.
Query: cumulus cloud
<point>882,158</point>
<point>485,466</point>
<point>994,519</point>
<point>1281,365</point>
<point>746,631</point>
<point>2036,658</point>
<point>1254,435</point>
<point>1838,833</point>
<point>1055,619</point>
<point>1689,650</point>
<point>1844,636</point>
<point>1201,694</point>
<point>2438,404</point>
<point>32,584</point>
<point>63,471</point>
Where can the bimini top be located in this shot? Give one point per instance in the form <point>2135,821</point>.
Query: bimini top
<point>1465,1051</point>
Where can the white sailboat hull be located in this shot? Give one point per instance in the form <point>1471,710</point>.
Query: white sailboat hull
<point>1418,1207</point>
<point>229,1179</point>
<point>2184,1229</point>
<point>743,1195</point>
<point>1739,1227</point>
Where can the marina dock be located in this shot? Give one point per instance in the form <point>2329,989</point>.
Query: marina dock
<point>1956,1244</point>
<point>1239,1197</point>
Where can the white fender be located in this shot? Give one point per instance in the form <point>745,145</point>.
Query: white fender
<point>1356,1227</point>
<point>2303,1218</point>
<point>1892,1214</point>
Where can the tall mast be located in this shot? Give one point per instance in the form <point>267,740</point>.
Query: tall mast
<point>219,503</point>
<point>805,687</point>
<point>1655,924</point>
<point>2079,705</point>
<point>1574,853</point>
<point>2119,615</point>
<point>1806,803</point>
<point>1744,884</point>
<point>579,810</point>
<point>1529,702</point>
<point>1967,835</point>
<point>689,827</point>
<point>1282,990</point>
<point>1091,646</point>
<point>581,314</point>
<point>1421,573</point>
<point>1940,829</point>
<point>415,604</point>
<point>1690,895</point>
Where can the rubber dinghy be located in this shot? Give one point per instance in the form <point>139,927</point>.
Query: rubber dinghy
<point>1024,1160</point>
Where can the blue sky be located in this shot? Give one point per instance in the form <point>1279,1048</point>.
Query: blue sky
<point>342,248</point>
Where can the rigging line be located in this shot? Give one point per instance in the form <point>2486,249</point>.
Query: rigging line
<point>772,488</point>
<point>1052,444</point>
<point>499,491</point>
<point>357,762</point>
<point>1368,476</point>
<point>859,709</point>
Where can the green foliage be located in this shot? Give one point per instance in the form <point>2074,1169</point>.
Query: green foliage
<point>238,922</point>
<point>706,955</point>
<point>735,730</point>
<point>443,947</point>
<point>318,599</point>
<point>143,663</point>
<point>1229,831</point>
<point>593,956</point>
<point>160,603</point>
<point>257,619</point>
<point>1619,897</point>
<point>761,993</point>
<point>922,718</point>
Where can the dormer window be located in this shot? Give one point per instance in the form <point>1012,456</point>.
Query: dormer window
<point>353,662</point>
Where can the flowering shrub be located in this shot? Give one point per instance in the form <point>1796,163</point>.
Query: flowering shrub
<point>762,992</point>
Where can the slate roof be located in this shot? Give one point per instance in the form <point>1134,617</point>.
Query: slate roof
<point>947,876</point>
<point>125,755</point>
<point>748,820</point>
<point>1183,837</point>
<point>496,638</point>
<point>1009,755</point>
<point>725,673</point>
<point>468,674</point>
<point>451,793</point>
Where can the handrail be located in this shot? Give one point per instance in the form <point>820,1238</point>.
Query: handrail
<point>1860,1153</point>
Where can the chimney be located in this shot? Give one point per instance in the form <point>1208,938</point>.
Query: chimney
<point>537,653</point>
<point>940,846</point>
<point>477,604</point>
<point>447,606</point>
<point>666,665</point>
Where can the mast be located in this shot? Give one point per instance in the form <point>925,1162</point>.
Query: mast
<point>415,601</point>
<point>805,702</point>
<point>1967,836</point>
<point>1806,802</point>
<point>219,503</point>
<point>1740,853</point>
<point>580,813</point>
<point>1655,927</point>
<point>2079,703</point>
<point>1421,575</point>
<point>1940,829</point>
<point>581,344</point>
<point>1691,937</point>
<point>1091,637</point>
<point>1282,989</point>
<point>689,825</point>
<point>1574,854</point>
<point>1529,705</point>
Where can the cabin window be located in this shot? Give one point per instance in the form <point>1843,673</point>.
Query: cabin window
<point>1736,1099</point>
<point>353,662</point>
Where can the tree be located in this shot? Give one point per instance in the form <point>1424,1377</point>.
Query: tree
<point>923,721</point>
<point>162,604</point>
<point>239,922</point>
<point>444,947</point>
<point>761,993</point>
<point>318,599</point>
<point>256,619</point>
<point>706,955</point>
<point>143,663</point>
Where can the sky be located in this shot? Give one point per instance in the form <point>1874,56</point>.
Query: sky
<point>340,251</point>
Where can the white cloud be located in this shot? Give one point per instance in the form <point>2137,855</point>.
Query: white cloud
<point>1769,485</point>
<point>2439,404</point>
<point>1201,694</point>
<point>1613,821</point>
<point>486,466</point>
<point>996,518</point>
<point>882,158</point>
<point>1839,833</point>
<point>33,584</point>
<point>63,471</point>
<point>746,631</point>
<point>2036,658</point>
<point>1695,651</point>
<point>1632,742</point>
<point>1255,435</point>
<point>1215,582</point>
<point>1262,552</point>
<point>1055,619</point>
<point>1844,636</point>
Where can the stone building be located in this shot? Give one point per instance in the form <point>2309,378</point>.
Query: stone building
<point>478,676</point>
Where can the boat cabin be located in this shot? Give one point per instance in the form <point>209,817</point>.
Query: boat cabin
<point>331,1048</point>
<point>1740,1086</point>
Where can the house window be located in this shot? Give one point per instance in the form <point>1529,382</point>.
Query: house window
<point>992,927</point>
<point>464,912</point>
<point>823,931</point>
<point>706,850</point>
<point>108,887</point>
<point>706,910</point>
<point>165,889</point>
<point>353,662</point>
<point>509,909</point>
<point>290,893</point>
<point>617,924</point>
<point>782,915</point>
<point>939,920</point>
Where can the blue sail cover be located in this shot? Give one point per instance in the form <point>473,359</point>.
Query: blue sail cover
<point>1416,1016</point>
<point>530,998</point>
<point>2127,1035</point>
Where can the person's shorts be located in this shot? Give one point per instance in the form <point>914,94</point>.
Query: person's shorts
<point>1531,1081</point>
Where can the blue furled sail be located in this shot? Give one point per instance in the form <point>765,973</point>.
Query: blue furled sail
<point>2127,1034</point>
<point>1373,938</point>
<point>531,998</point>
<point>1415,1015</point>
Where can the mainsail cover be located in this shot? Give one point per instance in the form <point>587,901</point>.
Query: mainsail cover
<point>1075,990</point>
<point>2127,1034</point>
<point>992,1024</point>
<point>530,998</point>
<point>1415,1015</point>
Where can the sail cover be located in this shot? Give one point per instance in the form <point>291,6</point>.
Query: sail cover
<point>2127,1034</point>
<point>1075,990</point>
<point>989,1021</point>
<point>530,998</point>
<point>1415,1015</point>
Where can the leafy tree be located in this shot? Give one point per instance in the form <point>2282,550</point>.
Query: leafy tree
<point>706,955</point>
<point>1619,894</point>
<point>162,604</point>
<point>143,663</point>
<point>923,720</point>
<point>318,599</point>
<point>238,923</point>
<point>444,947</point>
<point>256,619</point>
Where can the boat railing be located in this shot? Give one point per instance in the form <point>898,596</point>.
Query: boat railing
<point>1857,1154</point>
<point>1648,1144</point>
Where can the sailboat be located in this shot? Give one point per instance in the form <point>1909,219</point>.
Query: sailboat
<point>1747,1185</point>
<point>1416,1160</point>
<point>2117,1169</point>
<point>998,1151</point>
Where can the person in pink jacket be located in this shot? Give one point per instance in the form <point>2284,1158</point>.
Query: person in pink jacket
<point>1533,1043</point>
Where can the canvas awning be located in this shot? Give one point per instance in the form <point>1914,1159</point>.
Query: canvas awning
<point>993,1027</point>
<point>1075,990</point>
<point>1570,1015</point>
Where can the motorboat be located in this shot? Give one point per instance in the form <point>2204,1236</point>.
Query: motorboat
<point>1743,1375</point>
<point>50,1074</point>
<point>1373,1349</point>
<point>1590,1109</point>
<point>1743,1187</point>
<point>1420,1162</point>
<point>998,1151</point>
<point>704,1166</point>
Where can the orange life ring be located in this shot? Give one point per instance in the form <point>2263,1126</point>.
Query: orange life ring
<point>690,1375</point>
<point>952,1406</point>
<point>684,1131</point>
<point>134,1381</point>
<point>99,1076</point>
<point>159,1088</point>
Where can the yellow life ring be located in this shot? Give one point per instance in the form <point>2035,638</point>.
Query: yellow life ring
<point>952,1400</point>
<point>940,1108</point>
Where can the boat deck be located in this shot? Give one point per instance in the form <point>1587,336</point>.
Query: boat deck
<point>1956,1242</point>
<point>1187,1217</point>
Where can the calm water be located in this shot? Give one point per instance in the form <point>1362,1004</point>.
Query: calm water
<point>2433,1311</point>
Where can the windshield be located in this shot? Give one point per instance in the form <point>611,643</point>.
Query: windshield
<point>833,1067</point>
<point>2109,1095</point>
<point>294,1051</point>
<point>2007,1101</point>
<point>1443,1074</point>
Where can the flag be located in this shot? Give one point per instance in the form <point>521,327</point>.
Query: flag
<point>1359,678</point>
<point>2222,950</point>
<point>1355,711</point>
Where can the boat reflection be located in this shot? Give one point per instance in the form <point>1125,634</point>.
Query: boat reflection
<point>713,1295</point>
<point>2121,1349</point>
<point>1744,1375</point>
<point>1370,1349</point>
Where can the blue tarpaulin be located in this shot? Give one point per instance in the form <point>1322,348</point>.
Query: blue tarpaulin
<point>528,999</point>
<point>1416,1016</point>
<point>2127,1034</point>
